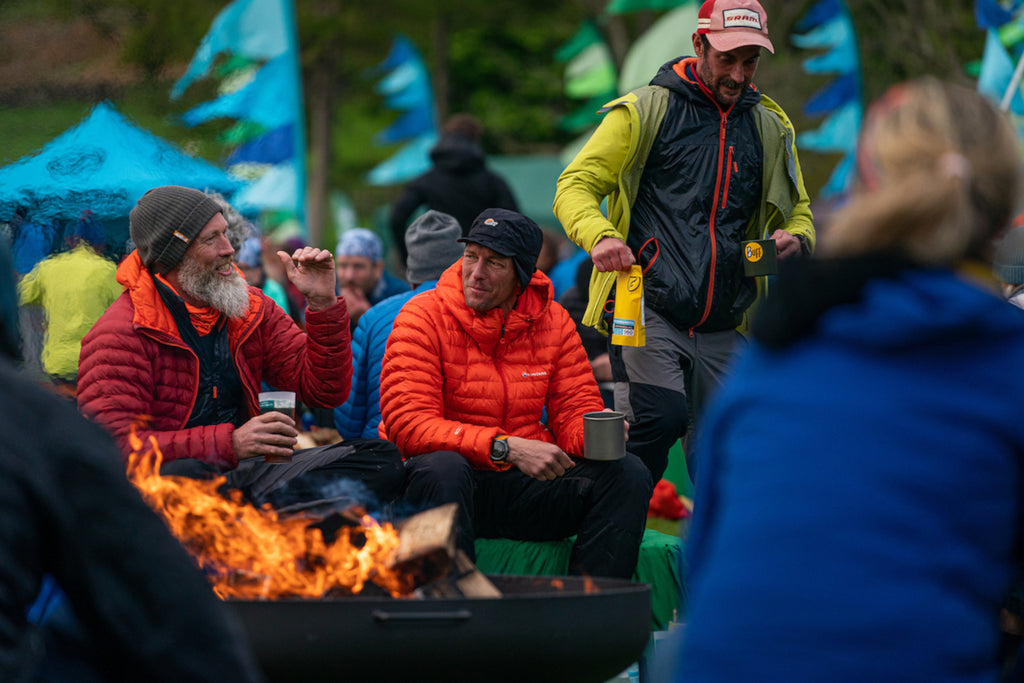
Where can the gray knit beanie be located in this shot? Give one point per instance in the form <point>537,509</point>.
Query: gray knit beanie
<point>432,241</point>
<point>164,222</point>
<point>1008,263</point>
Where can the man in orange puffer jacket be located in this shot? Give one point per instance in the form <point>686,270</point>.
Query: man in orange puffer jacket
<point>469,371</point>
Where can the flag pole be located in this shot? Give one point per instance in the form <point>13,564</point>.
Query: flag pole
<point>1014,84</point>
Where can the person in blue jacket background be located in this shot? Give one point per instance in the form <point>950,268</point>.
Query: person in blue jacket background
<point>432,245</point>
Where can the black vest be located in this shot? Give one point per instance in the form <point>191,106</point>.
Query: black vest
<point>219,396</point>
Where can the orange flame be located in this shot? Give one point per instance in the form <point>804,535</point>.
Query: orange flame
<point>250,553</point>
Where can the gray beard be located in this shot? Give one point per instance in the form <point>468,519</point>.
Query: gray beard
<point>230,295</point>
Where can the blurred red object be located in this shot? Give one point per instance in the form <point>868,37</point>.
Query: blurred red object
<point>666,502</point>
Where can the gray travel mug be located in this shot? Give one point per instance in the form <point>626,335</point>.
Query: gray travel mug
<point>604,435</point>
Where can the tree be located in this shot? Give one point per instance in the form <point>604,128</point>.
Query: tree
<point>493,59</point>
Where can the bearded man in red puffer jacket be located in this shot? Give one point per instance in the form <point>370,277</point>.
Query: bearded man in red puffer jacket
<point>181,355</point>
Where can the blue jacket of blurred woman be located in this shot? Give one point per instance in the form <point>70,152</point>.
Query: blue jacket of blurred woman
<point>858,509</point>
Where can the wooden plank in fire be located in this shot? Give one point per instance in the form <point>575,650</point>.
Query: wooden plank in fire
<point>427,558</point>
<point>426,545</point>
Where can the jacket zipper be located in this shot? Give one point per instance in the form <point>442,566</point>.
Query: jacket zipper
<point>714,212</point>
<point>501,375</point>
<point>730,165</point>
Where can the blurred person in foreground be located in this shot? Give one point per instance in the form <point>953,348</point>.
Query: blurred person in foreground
<point>362,278</point>
<point>469,371</point>
<point>459,183</point>
<point>691,165</point>
<point>432,242</point>
<point>133,605</point>
<point>859,507</point>
<point>181,356</point>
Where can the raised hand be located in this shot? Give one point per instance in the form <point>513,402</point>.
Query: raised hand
<point>311,270</point>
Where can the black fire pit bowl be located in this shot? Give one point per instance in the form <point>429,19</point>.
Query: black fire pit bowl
<point>534,632</point>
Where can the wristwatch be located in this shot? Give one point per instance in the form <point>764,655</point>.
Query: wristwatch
<point>499,448</point>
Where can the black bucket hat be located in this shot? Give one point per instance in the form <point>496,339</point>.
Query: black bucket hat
<point>510,234</point>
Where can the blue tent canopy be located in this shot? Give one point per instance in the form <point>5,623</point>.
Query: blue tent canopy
<point>104,164</point>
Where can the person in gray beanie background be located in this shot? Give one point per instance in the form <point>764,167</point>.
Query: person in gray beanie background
<point>432,246</point>
<point>183,353</point>
<point>1008,265</point>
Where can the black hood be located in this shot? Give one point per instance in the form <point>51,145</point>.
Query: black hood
<point>456,154</point>
<point>668,78</point>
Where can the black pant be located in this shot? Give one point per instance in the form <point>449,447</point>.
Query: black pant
<point>603,503</point>
<point>357,471</point>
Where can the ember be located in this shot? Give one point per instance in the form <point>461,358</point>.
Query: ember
<point>252,553</point>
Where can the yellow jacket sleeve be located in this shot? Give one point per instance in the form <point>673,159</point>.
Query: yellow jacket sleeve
<point>592,176</point>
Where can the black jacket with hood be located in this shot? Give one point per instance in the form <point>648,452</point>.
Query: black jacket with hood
<point>700,187</point>
<point>459,184</point>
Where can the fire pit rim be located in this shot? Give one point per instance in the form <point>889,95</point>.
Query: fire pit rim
<point>605,586</point>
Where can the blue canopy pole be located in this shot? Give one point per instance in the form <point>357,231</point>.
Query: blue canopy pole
<point>299,129</point>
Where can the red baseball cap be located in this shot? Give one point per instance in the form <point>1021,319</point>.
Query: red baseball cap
<point>730,24</point>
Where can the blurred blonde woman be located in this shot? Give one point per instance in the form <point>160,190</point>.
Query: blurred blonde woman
<point>859,507</point>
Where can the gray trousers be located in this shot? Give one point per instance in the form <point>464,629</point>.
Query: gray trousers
<point>663,387</point>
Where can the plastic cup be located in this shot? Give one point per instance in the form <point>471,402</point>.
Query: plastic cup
<point>281,402</point>
<point>604,435</point>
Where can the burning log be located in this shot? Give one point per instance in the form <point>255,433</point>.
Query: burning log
<point>256,554</point>
<point>466,581</point>
<point>427,557</point>
<point>426,546</point>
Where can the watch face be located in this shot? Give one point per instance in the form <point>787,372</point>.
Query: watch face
<point>499,450</point>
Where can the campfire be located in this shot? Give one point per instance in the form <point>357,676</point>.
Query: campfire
<point>335,598</point>
<point>256,554</point>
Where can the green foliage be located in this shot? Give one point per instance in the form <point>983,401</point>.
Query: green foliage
<point>506,75</point>
<point>24,130</point>
<point>498,58</point>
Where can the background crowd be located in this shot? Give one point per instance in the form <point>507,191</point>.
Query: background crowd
<point>829,411</point>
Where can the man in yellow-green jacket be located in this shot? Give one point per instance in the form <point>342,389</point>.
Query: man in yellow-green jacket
<point>692,165</point>
<point>74,288</point>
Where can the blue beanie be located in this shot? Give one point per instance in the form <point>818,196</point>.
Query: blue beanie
<point>250,253</point>
<point>360,242</point>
